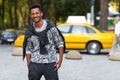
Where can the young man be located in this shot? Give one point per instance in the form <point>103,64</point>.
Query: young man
<point>41,40</point>
<point>116,43</point>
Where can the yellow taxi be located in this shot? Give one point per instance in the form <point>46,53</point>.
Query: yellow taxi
<point>82,37</point>
<point>19,41</point>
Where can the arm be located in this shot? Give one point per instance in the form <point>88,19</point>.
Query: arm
<point>59,62</point>
<point>58,43</point>
<point>28,56</point>
<point>117,29</point>
<point>28,51</point>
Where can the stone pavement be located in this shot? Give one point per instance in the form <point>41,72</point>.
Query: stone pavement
<point>90,67</point>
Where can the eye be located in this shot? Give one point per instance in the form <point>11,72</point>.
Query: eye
<point>37,12</point>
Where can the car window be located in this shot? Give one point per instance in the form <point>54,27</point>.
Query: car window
<point>78,30</point>
<point>89,30</point>
<point>101,30</point>
<point>9,32</point>
<point>64,29</point>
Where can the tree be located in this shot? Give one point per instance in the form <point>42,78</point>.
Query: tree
<point>104,14</point>
<point>15,13</point>
<point>116,3</point>
<point>2,8</point>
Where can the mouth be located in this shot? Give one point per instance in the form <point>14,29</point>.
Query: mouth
<point>36,19</point>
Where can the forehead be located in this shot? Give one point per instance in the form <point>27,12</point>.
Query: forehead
<point>35,10</point>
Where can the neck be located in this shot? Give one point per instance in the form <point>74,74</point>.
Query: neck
<point>39,24</point>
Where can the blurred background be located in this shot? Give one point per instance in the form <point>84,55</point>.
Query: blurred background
<point>14,19</point>
<point>14,14</point>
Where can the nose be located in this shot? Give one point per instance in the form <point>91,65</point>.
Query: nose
<point>35,15</point>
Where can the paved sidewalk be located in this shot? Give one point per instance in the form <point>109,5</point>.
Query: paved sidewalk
<point>91,67</point>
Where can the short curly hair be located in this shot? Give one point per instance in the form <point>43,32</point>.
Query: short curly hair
<point>35,6</point>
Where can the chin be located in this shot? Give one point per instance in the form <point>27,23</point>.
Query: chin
<point>37,21</point>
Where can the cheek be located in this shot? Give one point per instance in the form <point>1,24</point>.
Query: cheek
<point>32,16</point>
<point>41,14</point>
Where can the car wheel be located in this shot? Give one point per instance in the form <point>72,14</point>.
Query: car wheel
<point>10,43</point>
<point>93,48</point>
<point>0,41</point>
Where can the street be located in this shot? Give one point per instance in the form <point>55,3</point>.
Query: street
<point>90,67</point>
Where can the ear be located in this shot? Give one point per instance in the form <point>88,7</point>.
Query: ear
<point>41,13</point>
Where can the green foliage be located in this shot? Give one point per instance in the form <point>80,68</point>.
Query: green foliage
<point>55,10</point>
<point>20,28</point>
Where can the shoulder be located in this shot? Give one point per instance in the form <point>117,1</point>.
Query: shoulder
<point>28,32</point>
<point>119,23</point>
<point>49,24</point>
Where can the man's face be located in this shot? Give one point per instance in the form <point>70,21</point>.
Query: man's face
<point>36,15</point>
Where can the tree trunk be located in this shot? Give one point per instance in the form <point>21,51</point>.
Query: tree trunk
<point>10,15</point>
<point>104,14</point>
<point>2,12</point>
<point>15,13</point>
<point>119,6</point>
<point>55,13</point>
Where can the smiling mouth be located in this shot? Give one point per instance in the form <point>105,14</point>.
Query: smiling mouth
<point>36,19</point>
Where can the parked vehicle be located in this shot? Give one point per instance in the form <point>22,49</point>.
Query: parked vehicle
<point>0,37</point>
<point>82,37</point>
<point>19,41</point>
<point>8,36</point>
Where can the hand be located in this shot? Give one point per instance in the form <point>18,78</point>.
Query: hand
<point>28,63</point>
<point>58,64</point>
